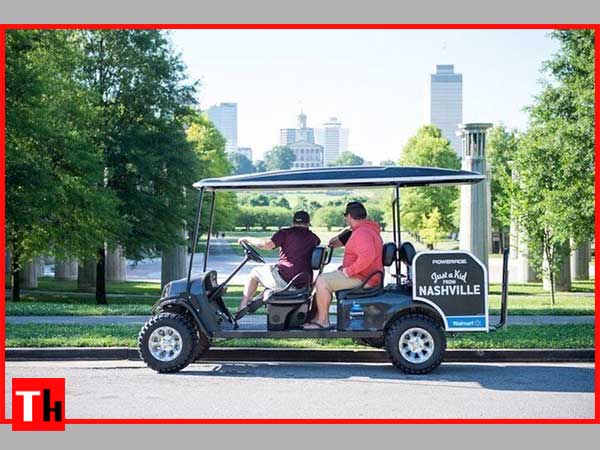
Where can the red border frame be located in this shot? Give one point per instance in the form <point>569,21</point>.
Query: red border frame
<point>4,27</point>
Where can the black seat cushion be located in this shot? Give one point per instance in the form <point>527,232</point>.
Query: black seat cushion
<point>289,297</point>
<point>358,292</point>
<point>407,253</point>
<point>317,258</point>
<point>389,253</point>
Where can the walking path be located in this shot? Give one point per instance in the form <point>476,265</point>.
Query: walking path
<point>255,319</point>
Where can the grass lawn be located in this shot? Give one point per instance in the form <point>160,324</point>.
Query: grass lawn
<point>542,336</point>
<point>524,299</point>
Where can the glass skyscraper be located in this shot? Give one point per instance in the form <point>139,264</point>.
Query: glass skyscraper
<point>445,103</point>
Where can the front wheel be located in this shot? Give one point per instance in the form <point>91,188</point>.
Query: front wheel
<point>415,343</point>
<point>168,343</point>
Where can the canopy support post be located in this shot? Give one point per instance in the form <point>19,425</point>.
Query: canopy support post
<point>210,227</point>
<point>195,237</point>
<point>397,232</point>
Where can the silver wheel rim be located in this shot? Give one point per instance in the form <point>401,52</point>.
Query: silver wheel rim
<point>416,345</point>
<point>165,344</point>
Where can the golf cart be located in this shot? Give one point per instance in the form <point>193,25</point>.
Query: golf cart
<point>439,291</point>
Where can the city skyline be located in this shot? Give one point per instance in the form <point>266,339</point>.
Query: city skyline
<point>377,84</point>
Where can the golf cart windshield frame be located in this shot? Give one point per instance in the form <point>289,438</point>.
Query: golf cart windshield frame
<point>363,177</point>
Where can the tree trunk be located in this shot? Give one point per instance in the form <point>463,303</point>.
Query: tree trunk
<point>86,275</point>
<point>101,277</point>
<point>8,269</point>
<point>116,265</point>
<point>16,285</point>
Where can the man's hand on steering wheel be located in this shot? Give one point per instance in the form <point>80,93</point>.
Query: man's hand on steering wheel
<point>251,252</point>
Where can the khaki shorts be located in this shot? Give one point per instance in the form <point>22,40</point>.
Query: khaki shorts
<point>336,281</point>
<point>268,276</point>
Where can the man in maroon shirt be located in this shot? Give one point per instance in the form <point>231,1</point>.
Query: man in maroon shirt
<point>296,244</point>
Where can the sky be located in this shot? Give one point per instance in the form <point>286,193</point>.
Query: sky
<point>374,81</point>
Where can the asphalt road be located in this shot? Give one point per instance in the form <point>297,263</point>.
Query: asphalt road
<point>127,389</point>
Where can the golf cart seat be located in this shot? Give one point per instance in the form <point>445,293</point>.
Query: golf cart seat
<point>406,254</point>
<point>288,307</point>
<point>388,256</point>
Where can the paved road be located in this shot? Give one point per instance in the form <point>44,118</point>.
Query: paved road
<point>124,389</point>
<point>139,320</point>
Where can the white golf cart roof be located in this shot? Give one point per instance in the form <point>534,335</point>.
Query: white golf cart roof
<point>345,177</point>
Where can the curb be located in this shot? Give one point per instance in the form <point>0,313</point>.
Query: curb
<point>304,355</point>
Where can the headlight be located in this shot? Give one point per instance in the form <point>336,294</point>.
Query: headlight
<point>166,290</point>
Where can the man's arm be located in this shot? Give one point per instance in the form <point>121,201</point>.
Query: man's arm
<point>263,244</point>
<point>340,239</point>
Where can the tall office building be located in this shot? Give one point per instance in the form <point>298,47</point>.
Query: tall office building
<point>445,103</point>
<point>224,117</point>
<point>302,142</point>
<point>333,138</point>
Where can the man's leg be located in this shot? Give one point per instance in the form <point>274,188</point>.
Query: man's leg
<point>323,299</point>
<point>249,290</point>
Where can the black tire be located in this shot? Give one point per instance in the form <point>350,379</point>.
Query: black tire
<point>188,342</point>
<point>433,358</point>
<point>202,346</point>
<point>371,342</point>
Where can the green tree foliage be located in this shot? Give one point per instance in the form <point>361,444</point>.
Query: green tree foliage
<point>211,161</point>
<point>279,158</point>
<point>139,89</point>
<point>264,217</point>
<point>241,164</point>
<point>428,148</point>
<point>54,167</point>
<point>376,213</point>
<point>432,232</point>
<point>329,217</point>
<point>501,147</point>
<point>554,162</point>
<point>349,159</point>
<point>260,166</point>
<point>280,202</point>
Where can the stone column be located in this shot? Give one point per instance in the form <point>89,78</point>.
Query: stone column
<point>173,264</point>
<point>562,278</point>
<point>86,275</point>
<point>474,198</point>
<point>116,265</point>
<point>29,275</point>
<point>580,262</point>
<point>66,270</point>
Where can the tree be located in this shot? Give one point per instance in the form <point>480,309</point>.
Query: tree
<point>279,158</point>
<point>501,148</point>
<point>259,200</point>
<point>554,162</point>
<point>349,159</point>
<point>211,161</point>
<point>280,202</point>
<point>388,162</point>
<point>139,88</point>
<point>260,166</point>
<point>329,217</point>
<point>301,204</point>
<point>53,164</point>
<point>428,148</point>
<point>241,164</point>
<point>431,231</point>
<point>376,214</point>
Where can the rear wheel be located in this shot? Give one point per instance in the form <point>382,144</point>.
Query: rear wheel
<point>168,342</point>
<point>415,343</point>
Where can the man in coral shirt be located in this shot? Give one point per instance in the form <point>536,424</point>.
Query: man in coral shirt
<point>362,257</point>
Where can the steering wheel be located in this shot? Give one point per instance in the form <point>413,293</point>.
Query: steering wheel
<point>252,253</point>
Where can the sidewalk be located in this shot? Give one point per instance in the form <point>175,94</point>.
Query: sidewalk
<point>140,320</point>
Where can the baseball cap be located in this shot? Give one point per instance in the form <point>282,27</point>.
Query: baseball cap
<point>301,217</point>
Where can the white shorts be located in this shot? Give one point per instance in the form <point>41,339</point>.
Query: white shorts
<point>268,275</point>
